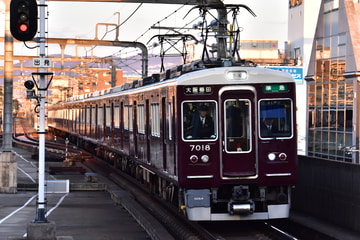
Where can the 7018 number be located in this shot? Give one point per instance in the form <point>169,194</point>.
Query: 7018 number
<point>198,148</point>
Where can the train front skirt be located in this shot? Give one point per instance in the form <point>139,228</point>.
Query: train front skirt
<point>198,208</point>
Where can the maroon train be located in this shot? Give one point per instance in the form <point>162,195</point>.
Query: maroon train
<point>198,137</point>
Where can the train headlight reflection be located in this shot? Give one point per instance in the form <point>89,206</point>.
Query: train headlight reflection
<point>271,156</point>
<point>205,158</point>
<point>237,75</point>
<point>283,156</point>
<point>194,158</point>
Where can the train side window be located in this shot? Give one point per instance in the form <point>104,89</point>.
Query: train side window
<point>171,119</point>
<point>131,123</point>
<point>155,119</point>
<point>199,120</point>
<point>82,120</point>
<point>275,118</point>
<point>108,116</point>
<point>126,117</point>
<point>100,116</point>
<point>141,118</point>
<point>64,115</point>
<point>87,120</point>
<point>93,115</point>
<point>69,117</point>
<point>78,119</point>
<point>237,125</point>
<point>117,116</point>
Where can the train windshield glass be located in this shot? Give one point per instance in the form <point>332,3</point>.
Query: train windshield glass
<point>237,125</point>
<point>199,120</point>
<point>275,118</point>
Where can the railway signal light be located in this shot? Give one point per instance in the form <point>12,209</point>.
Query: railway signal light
<point>30,92</point>
<point>23,19</point>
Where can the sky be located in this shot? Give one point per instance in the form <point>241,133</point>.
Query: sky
<point>79,19</point>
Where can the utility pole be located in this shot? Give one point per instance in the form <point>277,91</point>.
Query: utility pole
<point>42,99</point>
<point>8,165</point>
<point>41,228</point>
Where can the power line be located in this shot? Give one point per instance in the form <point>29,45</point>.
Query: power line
<point>118,25</point>
<point>158,23</point>
<point>165,18</point>
<point>123,21</point>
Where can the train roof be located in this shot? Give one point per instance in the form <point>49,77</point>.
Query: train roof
<point>199,72</point>
<point>235,75</point>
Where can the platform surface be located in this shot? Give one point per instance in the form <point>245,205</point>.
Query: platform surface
<point>82,215</point>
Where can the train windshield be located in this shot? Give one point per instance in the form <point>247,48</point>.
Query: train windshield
<point>237,125</point>
<point>199,120</point>
<point>275,118</point>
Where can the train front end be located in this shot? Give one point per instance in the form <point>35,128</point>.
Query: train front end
<point>237,146</point>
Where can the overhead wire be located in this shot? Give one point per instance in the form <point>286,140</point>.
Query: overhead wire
<point>127,19</point>
<point>118,53</point>
<point>165,18</point>
<point>102,38</point>
<point>143,34</point>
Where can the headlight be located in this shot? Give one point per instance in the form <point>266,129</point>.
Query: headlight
<point>271,156</point>
<point>205,158</point>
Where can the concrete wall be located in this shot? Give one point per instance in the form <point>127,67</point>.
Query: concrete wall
<point>329,190</point>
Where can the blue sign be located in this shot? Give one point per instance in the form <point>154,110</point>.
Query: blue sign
<point>295,72</point>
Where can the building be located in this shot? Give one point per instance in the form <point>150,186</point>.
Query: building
<point>301,32</point>
<point>329,50</point>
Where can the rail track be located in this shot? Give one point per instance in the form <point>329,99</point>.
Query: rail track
<point>178,225</point>
<point>56,148</point>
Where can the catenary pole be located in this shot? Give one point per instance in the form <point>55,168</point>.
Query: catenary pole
<point>41,204</point>
<point>8,84</point>
<point>8,164</point>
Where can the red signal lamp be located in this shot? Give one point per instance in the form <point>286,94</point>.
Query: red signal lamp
<point>23,27</point>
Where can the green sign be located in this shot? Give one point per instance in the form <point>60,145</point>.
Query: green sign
<point>275,88</point>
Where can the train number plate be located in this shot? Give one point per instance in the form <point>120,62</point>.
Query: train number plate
<point>200,147</point>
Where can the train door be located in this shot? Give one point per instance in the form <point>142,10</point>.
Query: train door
<point>100,122</point>
<point>90,120</point>
<point>112,123</point>
<point>238,155</point>
<point>171,111</point>
<point>147,131</point>
<point>122,124</point>
<point>135,130</point>
<point>96,120</point>
<point>130,129</point>
<point>163,130</point>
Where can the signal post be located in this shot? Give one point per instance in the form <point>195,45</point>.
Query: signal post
<point>23,27</point>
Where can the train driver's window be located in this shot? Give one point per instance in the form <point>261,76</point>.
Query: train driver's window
<point>237,125</point>
<point>199,120</point>
<point>275,118</point>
